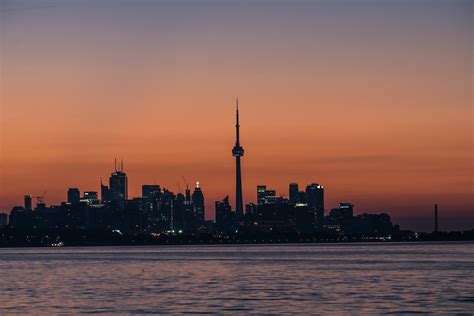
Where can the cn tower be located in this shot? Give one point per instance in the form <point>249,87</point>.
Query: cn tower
<point>238,152</point>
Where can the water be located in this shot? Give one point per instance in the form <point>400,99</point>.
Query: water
<point>319,278</point>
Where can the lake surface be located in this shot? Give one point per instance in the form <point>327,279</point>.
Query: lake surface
<point>309,278</point>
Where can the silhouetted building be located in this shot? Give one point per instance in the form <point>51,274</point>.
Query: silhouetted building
<point>224,216</point>
<point>315,201</point>
<point>293,193</point>
<point>371,225</point>
<point>198,201</point>
<point>301,197</point>
<point>104,193</point>
<point>90,197</point>
<point>265,196</point>
<point>250,211</point>
<point>3,219</point>
<point>28,205</point>
<point>150,191</point>
<point>436,218</point>
<point>238,152</point>
<point>261,189</point>
<point>304,218</point>
<point>118,187</point>
<point>73,195</point>
<point>340,219</point>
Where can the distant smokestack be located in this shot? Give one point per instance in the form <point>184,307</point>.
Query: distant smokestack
<point>436,218</point>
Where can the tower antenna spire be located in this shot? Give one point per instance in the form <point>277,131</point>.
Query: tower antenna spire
<point>115,164</point>
<point>237,125</point>
<point>238,152</point>
<point>121,165</point>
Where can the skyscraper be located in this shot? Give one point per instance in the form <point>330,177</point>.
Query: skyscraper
<point>238,152</point>
<point>151,191</point>
<point>261,189</point>
<point>224,215</point>
<point>104,192</point>
<point>198,201</point>
<point>118,186</point>
<point>73,196</point>
<point>315,200</point>
<point>293,193</point>
<point>28,202</point>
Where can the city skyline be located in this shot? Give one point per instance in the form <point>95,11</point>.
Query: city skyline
<point>268,204</point>
<point>376,119</point>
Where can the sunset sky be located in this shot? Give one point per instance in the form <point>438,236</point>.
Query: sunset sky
<point>372,99</point>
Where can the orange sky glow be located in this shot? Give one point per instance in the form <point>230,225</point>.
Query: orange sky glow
<point>374,101</point>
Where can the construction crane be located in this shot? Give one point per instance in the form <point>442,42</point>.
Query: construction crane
<point>40,198</point>
<point>188,192</point>
<point>184,180</point>
<point>179,187</point>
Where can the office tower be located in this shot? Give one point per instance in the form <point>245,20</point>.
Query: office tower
<point>238,152</point>
<point>346,210</point>
<point>436,218</point>
<point>293,193</point>
<point>151,191</point>
<point>198,201</point>
<point>178,218</point>
<point>187,199</point>
<point>104,192</point>
<point>28,202</point>
<point>90,197</point>
<point>304,218</point>
<point>73,196</point>
<point>301,197</point>
<point>315,201</point>
<point>118,186</point>
<point>261,189</point>
<point>265,196</point>
<point>250,209</point>
<point>224,215</point>
<point>341,219</point>
<point>3,219</point>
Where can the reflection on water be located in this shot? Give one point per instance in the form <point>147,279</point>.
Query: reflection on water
<point>381,278</point>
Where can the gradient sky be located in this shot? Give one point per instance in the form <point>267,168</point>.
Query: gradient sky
<point>372,99</point>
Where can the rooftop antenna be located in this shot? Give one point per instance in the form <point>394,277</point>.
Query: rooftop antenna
<point>121,165</point>
<point>115,164</point>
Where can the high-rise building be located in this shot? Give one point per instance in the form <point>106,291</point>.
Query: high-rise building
<point>151,191</point>
<point>315,200</point>
<point>265,196</point>
<point>293,193</point>
<point>90,197</point>
<point>104,192</point>
<point>261,189</point>
<point>73,196</point>
<point>224,215</point>
<point>3,219</point>
<point>238,152</point>
<point>198,201</point>
<point>118,187</point>
<point>346,210</point>
<point>436,218</point>
<point>28,205</point>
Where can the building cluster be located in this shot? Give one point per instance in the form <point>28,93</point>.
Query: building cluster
<point>302,212</point>
<point>159,210</point>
